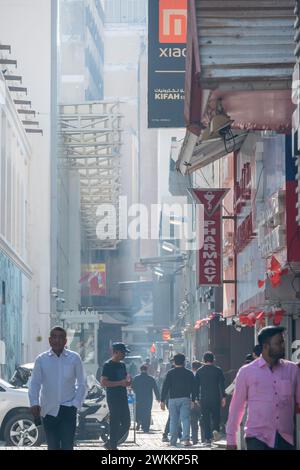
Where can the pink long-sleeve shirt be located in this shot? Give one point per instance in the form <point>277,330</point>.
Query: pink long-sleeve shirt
<point>270,396</point>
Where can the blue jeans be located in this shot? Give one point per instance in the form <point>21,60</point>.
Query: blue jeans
<point>180,410</point>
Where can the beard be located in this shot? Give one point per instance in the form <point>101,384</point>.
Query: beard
<point>276,354</point>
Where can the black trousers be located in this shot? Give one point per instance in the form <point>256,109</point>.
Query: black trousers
<point>211,413</point>
<point>196,422</point>
<point>60,429</point>
<point>143,415</point>
<point>119,420</point>
<point>280,444</point>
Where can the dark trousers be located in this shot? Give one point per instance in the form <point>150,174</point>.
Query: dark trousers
<point>143,415</point>
<point>211,413</point>
<point>196,422</point>
<point>60,429</point>
<point>280,444</point>
<point>119,420</point>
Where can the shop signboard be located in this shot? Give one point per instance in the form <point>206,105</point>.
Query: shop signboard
<point>166,62</point>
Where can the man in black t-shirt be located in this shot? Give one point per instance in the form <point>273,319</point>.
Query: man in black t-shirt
<point>114,378</point>
<point>179,386</point>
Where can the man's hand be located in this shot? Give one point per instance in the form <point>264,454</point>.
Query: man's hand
<point>223,402</point>
<point>162,406</point>
<point>128,381</point>
<point>230,447</point>
<point>36,411</point>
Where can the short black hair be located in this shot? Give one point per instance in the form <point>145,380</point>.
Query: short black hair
<point>208,357</point>
<point>268,332</point>
<point>257,350</point>
<point>58,328</point>
<point>144,368</point>
<point>196,365</point>
<point>179,359</point>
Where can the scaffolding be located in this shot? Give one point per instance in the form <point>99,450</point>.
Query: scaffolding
<point>90,139</point>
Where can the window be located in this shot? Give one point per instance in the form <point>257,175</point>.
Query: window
<point>2,298</point>
<point>125,11</point>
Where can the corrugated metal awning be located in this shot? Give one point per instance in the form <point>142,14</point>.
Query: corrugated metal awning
<point>242,40</point>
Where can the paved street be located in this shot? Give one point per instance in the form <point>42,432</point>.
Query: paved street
<point>151,441</point>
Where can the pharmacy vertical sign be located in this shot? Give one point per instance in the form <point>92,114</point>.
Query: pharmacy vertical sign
<point>210,266</point>
<point>167,34</point>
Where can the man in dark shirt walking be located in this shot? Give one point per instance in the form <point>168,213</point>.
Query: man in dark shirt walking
<point>115,379</point>
<point>196,415</point>
<point>179,385</point>
<point>210,388</point>
<point>143,386</point>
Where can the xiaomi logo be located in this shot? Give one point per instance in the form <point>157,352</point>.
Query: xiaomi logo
<point>172,21</point>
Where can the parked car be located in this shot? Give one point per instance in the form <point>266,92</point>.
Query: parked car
<point>17,427</point>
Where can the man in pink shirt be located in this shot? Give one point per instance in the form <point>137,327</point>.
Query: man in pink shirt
<point>270,387</point>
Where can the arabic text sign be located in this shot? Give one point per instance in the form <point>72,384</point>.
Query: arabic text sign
<point>166,62</point>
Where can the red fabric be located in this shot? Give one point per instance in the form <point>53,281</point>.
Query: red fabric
<point>261,284</point>
<point>278,317</point>
<point>275,265</point>
<point>275,279</point>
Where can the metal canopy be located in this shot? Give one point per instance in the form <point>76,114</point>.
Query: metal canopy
<point>242,40</point>
<point>90,142</point>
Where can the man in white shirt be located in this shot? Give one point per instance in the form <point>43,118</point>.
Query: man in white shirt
<point>57,390</point>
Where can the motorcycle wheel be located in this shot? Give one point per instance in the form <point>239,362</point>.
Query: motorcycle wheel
<point>104,436</point>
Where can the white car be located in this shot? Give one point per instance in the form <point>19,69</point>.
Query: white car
<point>17,426</point>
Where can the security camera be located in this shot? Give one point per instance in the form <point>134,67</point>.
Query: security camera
<point>55,291</point>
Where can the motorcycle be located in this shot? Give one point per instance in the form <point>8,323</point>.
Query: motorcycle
<point>93,418</point>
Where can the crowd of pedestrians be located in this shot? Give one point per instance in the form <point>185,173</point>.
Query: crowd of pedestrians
<point>194,394</point>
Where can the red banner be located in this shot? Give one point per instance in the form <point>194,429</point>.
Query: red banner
<point>210,272</point>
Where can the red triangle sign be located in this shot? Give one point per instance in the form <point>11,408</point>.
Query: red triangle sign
<point>210,198</point>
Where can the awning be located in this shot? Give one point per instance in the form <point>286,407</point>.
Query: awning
<point>195,154</point>
<point>116,319</point>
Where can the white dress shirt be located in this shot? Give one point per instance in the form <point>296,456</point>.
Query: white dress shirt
<point>57,380</point>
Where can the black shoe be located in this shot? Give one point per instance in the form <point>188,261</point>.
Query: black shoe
<point>165,439</point>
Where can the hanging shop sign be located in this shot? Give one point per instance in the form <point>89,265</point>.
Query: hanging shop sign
<point>210,269</point>
<point>166,335</point>
<point>272,226</point>
<point>242,191</point>
<point>166,62</point>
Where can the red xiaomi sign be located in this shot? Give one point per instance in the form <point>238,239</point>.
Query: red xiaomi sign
<point>210,269</point>
<point>172,21</point>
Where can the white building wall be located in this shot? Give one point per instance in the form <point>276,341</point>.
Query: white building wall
<point>26,26</point>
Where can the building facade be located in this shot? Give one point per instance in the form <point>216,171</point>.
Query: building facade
<point>32,38</point>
